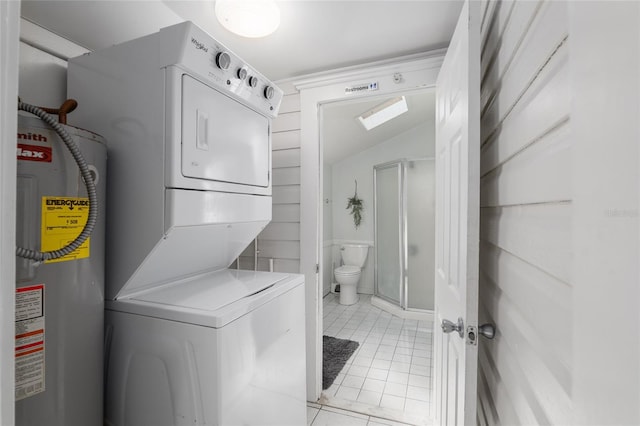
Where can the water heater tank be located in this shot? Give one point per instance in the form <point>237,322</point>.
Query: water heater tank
<point>59,303</point>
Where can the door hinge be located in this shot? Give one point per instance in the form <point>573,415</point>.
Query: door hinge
<point>317,268</point>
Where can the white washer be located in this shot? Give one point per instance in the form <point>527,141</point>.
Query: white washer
<point>190,342</point>
<point>225,348</point>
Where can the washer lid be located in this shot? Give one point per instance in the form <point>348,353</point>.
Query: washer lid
<point>213,299</point>
<point>211,291</point>
<point>348,270</point>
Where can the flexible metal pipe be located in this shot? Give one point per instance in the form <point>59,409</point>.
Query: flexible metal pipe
<point>86,177</point>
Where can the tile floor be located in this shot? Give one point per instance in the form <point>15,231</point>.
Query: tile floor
<point>389,375</point>
<point>318,415</point>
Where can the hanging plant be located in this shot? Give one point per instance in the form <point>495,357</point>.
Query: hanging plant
<point>355,204</point>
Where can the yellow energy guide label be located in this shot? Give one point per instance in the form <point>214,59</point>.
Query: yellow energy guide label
<point>63,218</point>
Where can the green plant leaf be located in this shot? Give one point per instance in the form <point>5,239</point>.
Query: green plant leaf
<point>356,205</point>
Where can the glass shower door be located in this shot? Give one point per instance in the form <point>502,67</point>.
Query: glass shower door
<point>388,230</point>
<point>404,215</point>
<point>420,230</point>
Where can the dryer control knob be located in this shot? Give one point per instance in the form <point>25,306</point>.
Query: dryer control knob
<point>253,81</point>
<point>269,92</point>
<point>223,60</point>
<point>242,73</point>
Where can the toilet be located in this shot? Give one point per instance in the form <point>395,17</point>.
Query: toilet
<point>348,275</point>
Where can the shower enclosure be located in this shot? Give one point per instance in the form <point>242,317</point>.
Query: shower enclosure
<point>404,233</point>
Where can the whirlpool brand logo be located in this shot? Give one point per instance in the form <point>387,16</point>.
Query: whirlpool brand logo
<point>199,45</point>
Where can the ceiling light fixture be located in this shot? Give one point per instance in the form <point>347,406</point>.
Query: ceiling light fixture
<point>248,18</point>
<point>383,112</point>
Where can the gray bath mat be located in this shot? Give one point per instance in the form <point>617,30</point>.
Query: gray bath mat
<point>335,354</point>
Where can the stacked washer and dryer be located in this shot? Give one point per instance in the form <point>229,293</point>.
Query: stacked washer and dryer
<point>187,340</point>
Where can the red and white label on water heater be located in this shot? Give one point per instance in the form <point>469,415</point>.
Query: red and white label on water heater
<point>34,144</point>
<point>29,341</point>
<point>27,152</point>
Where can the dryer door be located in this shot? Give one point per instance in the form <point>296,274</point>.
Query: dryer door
<point>222,140</point>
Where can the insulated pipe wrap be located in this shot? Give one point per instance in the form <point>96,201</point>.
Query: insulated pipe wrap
<point>86,177</point>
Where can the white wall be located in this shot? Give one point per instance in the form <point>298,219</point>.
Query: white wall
<point>414,143</point>
<point>559,270</point>
<point>605,86</point>
<point>43,77</point>
<point>525,220</point>
<point>43,65</point>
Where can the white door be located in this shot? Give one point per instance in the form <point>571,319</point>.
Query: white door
<point>457,222</point>
<point>9,49</point>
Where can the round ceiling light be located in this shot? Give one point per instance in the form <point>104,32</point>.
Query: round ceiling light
<point>248,18</point>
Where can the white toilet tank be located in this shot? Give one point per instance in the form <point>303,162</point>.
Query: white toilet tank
<point>354,254</point>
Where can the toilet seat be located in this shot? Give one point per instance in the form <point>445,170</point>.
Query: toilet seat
<point>347,270</point>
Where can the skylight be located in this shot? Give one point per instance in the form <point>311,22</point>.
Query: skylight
<point>384,112</point>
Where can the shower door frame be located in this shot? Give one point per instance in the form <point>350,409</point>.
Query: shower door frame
<point>403,260</point>
<point>402,228</point>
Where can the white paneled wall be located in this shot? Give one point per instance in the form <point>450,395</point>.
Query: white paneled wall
<point>280,240</point>
<point>526,203</point>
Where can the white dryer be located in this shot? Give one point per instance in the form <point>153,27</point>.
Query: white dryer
<point>188,341</point>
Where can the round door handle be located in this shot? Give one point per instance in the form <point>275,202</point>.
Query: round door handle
<point>449,326</point>
<point>487,330</point>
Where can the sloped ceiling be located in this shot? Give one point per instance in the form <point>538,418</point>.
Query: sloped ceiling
<point>344,136</point>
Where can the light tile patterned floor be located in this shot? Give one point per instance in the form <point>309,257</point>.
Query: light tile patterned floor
<point>389,375</point>
<point>318,415</point>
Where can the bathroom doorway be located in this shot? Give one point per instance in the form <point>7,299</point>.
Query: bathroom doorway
<point>389,373</point>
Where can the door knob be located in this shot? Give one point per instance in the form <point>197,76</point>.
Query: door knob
<point>487,330</point>
<point>448,326</point>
